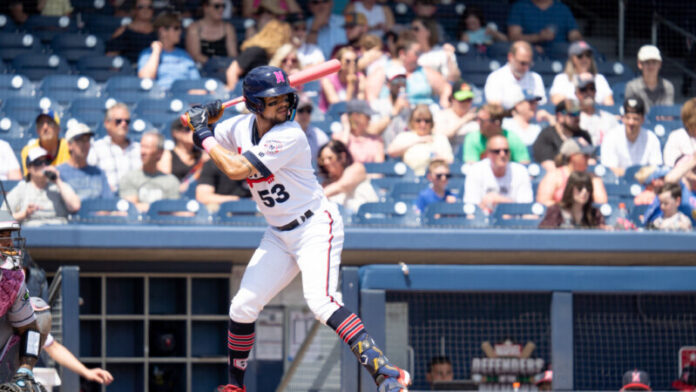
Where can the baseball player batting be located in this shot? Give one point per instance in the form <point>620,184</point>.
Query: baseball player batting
<point>270,151</point>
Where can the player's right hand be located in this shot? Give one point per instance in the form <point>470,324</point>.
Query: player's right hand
<point>215,111</point>
<point>198,122</point>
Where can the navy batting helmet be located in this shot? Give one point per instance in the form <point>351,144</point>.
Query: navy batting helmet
<point>266,81</point>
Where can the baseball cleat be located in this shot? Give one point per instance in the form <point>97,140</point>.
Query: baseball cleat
<point>230,388</point>
<point>396,384</point>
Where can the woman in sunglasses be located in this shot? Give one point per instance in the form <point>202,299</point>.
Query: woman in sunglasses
<point>580,60</point>
<point>211,36</point>
<point>129,40</point>
<point>439,58</point>
<point>286,59</point>
<point>418,146</point>
<point>575,210</point>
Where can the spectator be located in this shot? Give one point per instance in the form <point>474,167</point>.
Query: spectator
<point>9,165</point>
<point>215,188</point>
<point>163,61</point>
<point>522,115</point>
<point>438,58</point>
<point>286,58</point>
<point>574,156</point>
<point>595,121</point>
<point>55,7</point>
<point>418,146</point>
<point>489,118</point>
<point>426,9</point>
<point>379,17</point>
<point>356,28</point>
<point>575,210</point>
<point>653,179</point>
<point>308,54</point>
<point>682,141</point>
<point>580,60</point>
<point>438,176</point>
<point>636,380</point>
<point>373,60</point>
<point>279,8</point>
<point>515,74</point>
<point>211,35</point>
<point>363,146</point>
<point>89,182</point>
<point>315,136</point>
<point>474,30</point>
<point>130,40</point>
<point>345,181</point>
<point>548,144</point>
<point>346,84</point>
<point>495,179</point>
<point>439,369</point>
<point>672,219</point>
<point>544,381</point>
<point>632,145</point>
<point>115,153</point>
<point>542,22</point>
<point>184,161</point>
<point>257,50</point>
<point>19,10</point>
<point>48,130</point>
<point>650,87</point>
<point>144,186</point>
<point>394,109</point>
<point>325,29</point>
<point>683,173</point>
<point>43,198</point>
<point>459,119</point>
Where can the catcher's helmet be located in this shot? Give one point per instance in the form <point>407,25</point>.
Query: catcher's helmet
<point>11,242</point>
<point>266,81</point>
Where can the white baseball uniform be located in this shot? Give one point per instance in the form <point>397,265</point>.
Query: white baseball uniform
<point>306,230</point>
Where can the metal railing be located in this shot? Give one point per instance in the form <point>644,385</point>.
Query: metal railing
<point>658,20</point>
<point>64,298</point>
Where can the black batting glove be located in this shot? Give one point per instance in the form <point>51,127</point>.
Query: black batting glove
<point>215,111</point>
<point>198,121</point>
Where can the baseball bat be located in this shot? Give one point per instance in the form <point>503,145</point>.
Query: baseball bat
<point>308,74</point>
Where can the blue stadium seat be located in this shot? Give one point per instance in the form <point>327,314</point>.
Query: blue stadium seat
<point>629,176</point>
<point>384,185</point>
<point>13,44</point>
<point>498,50</point>
<point>615,72</point>
<point>89,110</point>
<point>454,214</point>
<point>38,66</point>
<point>240,212</point>
<point>476,69</point>
<point>101,68</point>
<point>518,215</point>
<point>10,130</point>
<point>64,89</point>
<point>557,51</point>
<point>622,191</point>
<point>13,85</point>
<point>619,92</point>
<point>106,211</point>
<point>390,169</point>
<point>548,69</point>
<point>406,191</point>
<point>216,67</point>
<point>131,89</point>
<point>665,112</point>
<point>103,25</point>
<point>636,214</point>
<point>337,109</point>
<point>46,27</point>
<point>536,172</point>
<point>74,46</point>
<point>388,213</point>
<point>160,112</point>
<point>605,173</point>
<point>92,6</point>
<point>181,211</point>
<point>25,109</point>
<point>403,14</point>
<point>204,90</point>
<point>7,24</point>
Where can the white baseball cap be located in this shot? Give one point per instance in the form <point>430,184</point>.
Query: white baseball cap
<point>395,71</point>
<point>649,52</point>
<point>77,129</point>
<point>35,154</point>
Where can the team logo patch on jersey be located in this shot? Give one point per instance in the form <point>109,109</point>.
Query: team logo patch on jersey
<point>273,147</point>
<point>240,364</point>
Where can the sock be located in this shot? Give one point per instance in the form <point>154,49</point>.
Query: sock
<point>240,340</point>
<point>347,325</point>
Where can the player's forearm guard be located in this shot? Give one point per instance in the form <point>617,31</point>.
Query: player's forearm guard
<point>30,344</point>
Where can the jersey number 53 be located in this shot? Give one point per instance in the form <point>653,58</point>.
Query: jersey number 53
<point>277,194</point>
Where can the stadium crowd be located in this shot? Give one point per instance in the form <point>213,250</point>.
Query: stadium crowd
<point>407,120</point>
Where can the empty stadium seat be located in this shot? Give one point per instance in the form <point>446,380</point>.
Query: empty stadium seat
<point>38,66</point>
<point>498,50</point>
<point>25,109</point>
<point>103,25</point>
<point>476,69</point>
<point>548,69</point>
<point>101,68</point>
<point>637,214</point>
<point>13,85</point>
<point>619,91</point>
<point>89,110</point>
<point>181,211</point>
<point>46,27</point>
<point>7,24</point>
<point>629,176</point>
<point>74,46</point>
<point>454,214</point>
<point>64,89</point>
<point>241,212</point>
<point>388,213</point>
<point>11,130</point>
<point>389,169</point>
<point>92,6</point>
<point>615,71</point>
<point>12,44</point>
<point>106,211</point>
<point>622,191</point>
<point>407,191</point>
<point>664,112</point>
<point>216,67</point>
<point>199,91</point>
<point>518,215</point>
<point>605,173</point>
<point>131,89</point>
<point>160,112</point>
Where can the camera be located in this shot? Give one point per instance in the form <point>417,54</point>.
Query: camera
<point>50,175</point>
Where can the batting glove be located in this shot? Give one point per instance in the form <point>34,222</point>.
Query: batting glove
<point>198,122</point>
<point>215,111</point>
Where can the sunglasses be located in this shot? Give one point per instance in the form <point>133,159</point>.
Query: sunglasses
<point>572,114</point>
<point>424,120</point>
<point>588,89</point>
<point>217,6</point>
<point>580,187</point>
<point>585,55</point>
<point>144,7</point>
<point>350,61</point>
<point>497,151</point>
<point>40,163</point>
<point>442,176</point>
<point>306,110</point>
<point>291,60</point>
<point>416,28</point>
<point>118,121</point>
<point>176,28</point>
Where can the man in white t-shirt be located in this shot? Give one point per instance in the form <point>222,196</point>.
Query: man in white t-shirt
<point>308,54</point>
<point>683,140</point>
<point>515,74</point>
<point>496,180</point>
<point>595,121</point>
<point>9,165</point>
<point>630,144</point>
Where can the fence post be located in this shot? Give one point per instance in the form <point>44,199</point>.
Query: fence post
<point>653,29</point>
<point>562,340</point>
<point>350,287</point>
<point>373,313</point>
<point>70,302</point>
<point>622,28</point>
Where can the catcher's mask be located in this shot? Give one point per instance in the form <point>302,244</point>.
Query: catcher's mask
<point>11,242</point>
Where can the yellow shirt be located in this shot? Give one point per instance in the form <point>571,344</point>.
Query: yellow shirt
<point>62,156</point>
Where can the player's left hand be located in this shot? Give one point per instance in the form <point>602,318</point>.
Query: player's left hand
<point>215,111</point>
<point>198,122</point>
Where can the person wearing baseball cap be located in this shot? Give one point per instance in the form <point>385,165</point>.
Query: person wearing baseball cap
<point>632,145</point>
<point>89,182</point>
<point>650,86</point>
<point>522,113</point>
<point>43,197</point>
<point>363,146</point>
<point>595,121</point>
<point>308,54</point>
<point>459,119</point>
<point>48,130</point>
<point>315,136</point>
<point>566,125</point>
<point>580,60</point>
<point>636,380</point>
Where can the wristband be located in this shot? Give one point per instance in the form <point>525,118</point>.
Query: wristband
<point>30,344</point>
<point>26,371</point>
<point>208,144</point>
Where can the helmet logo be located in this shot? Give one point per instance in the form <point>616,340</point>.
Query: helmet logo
<point>279,76</point>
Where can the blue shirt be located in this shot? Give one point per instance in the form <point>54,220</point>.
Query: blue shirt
<point>687,206</point>
<point>532,19</point>
<point>174,65</point>
<point>428,196</point>
<point>88,182</point>
<point>330,35</point>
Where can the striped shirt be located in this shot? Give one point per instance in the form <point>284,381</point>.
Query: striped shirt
<point>114,160</point>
